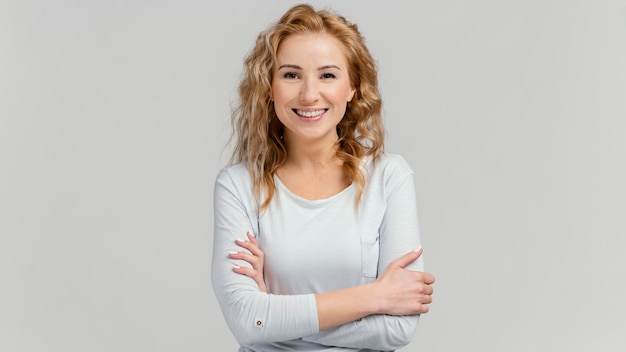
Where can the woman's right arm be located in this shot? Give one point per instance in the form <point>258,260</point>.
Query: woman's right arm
<point>252,316</point>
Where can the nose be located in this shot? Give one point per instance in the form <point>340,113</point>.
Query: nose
<point>309,91</point>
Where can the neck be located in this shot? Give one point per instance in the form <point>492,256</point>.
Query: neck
<point>312,154</point>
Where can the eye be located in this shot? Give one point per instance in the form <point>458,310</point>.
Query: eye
<point>328,76</point>
<point>290,75</point>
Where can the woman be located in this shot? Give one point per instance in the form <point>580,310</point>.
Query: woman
<point>316,240</point>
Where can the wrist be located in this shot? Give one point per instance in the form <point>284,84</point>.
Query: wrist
<point>374,301</point>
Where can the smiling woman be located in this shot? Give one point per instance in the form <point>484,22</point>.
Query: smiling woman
<point>331,258</point>
<point>310,92</point>
<point>310,88</point>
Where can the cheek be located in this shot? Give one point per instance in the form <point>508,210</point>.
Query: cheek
<point>280,97</point>
<point>340,94</point>
<point>281,93</point>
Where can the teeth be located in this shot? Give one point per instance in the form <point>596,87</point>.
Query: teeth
<point>310,113</point>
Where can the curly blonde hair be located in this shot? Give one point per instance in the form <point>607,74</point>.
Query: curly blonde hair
<point>258,132</point>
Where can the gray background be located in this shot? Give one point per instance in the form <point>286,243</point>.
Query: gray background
<point>113,119</point>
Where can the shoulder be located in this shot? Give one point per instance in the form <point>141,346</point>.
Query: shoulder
<point>385,177</point>
<point>234,176</point>
<point>389,166</point>
<point>234,171</point>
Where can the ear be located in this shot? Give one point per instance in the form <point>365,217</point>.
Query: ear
<point>351,93</point>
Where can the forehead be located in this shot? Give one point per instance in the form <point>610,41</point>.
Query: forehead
<point>311,48</point>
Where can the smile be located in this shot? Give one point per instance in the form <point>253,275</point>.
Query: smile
<point>309,113</point>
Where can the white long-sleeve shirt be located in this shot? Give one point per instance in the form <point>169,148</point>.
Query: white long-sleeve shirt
<point>313,246</point>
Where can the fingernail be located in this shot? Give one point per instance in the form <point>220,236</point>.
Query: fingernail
<point>418,249</point>
<point>240,240</point>
<point>251,234</point>
<point>237,266</point>
<point>232,252</point>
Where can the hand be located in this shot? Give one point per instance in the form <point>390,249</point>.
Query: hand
<point>402,291</point>
<point>255,257</point>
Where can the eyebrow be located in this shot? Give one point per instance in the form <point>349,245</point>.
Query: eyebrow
<point>325,67</point>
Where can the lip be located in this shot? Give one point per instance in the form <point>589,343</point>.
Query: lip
<point>312,118</point>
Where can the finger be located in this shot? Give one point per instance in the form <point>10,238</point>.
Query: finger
<point>427,299</point>
<point>423,288</point>
<point>408,258</point>
<point>245,271</point>
<point>244,244</point>
<point>251,244</point>
<point>257,249</point>
<point>251,247</point>
<point>428,278</point>
<point>251,259</point>
<point>247,242</point>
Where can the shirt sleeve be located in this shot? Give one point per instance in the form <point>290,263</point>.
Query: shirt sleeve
<point>399,234</point>
<point>252,316</point>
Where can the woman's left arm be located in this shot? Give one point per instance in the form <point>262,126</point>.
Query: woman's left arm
<point>399,234</point>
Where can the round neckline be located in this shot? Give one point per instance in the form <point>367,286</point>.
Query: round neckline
<point>283,187</point>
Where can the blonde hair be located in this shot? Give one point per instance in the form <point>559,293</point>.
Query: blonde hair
<point>256,129</point>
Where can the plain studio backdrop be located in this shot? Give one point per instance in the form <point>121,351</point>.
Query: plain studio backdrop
<point>114,116</point>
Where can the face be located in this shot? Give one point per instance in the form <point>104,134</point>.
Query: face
<point>311,87</point>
